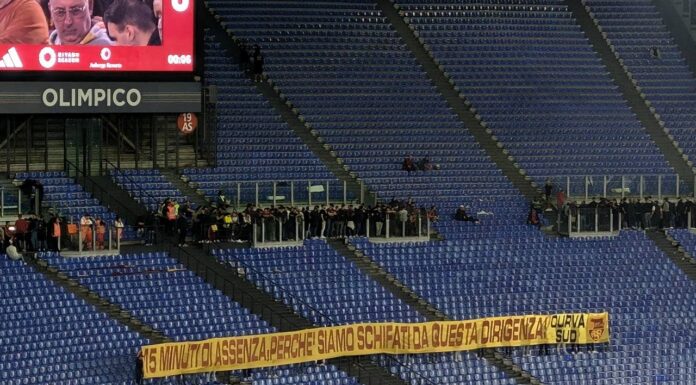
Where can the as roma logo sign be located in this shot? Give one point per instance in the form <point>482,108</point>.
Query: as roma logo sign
<point>596,328</point>
<point>187,123</point>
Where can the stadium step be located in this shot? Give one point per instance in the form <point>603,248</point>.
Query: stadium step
<point>671,248</point>
<point>293,117</point>
<point>175,179</point>
<point>636,100</point>
<point>101,304</point>
<point>458,102</point>
<point>232,282</point>
<point>370,268</point>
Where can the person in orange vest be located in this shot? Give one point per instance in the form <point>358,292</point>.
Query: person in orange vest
<point>86,224</point>
<point>54,233</point>
<point>101,233</point>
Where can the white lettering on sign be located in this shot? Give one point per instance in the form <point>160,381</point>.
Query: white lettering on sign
<point>91,97</point>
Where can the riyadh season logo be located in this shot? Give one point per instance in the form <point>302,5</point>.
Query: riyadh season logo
<point>47,57</point>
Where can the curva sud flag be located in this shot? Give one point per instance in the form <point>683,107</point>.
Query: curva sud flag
<point>169,47</point>
<point>256,351</point>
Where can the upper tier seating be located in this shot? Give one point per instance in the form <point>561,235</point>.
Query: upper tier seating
<point>254,144</point>
<point>51,337</point>
<point>356,83</point>
<point>532,76</point>
<point>634,27</point>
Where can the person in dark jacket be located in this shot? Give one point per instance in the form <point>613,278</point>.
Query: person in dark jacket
<point>182,227</point>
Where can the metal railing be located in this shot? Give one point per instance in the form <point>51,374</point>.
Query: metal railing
<point>622,186</point>
<point>106,166</point>
<point>292,193</point>
<point>273,229</point>
<point>393,227</point>
<point>590,220</point>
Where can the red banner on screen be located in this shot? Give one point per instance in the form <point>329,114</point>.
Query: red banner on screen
<point>102,48</point>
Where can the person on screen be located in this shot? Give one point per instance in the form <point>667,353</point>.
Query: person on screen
<point>74,24</point>
<point>22,22</point>
<point>131,23</point>
<point>157,9</point>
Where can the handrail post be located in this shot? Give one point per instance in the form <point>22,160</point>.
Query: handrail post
<point>386,219</point>
<point>263,230</point>
<point>2,201</point>
<point>19,202</point>
<point>280,230</point>
<point>79,238</point>
<point>362,192</point>
<point>297,227</point>
<point>641,186</point>
<point>275,187</point>
<point>110,240</point>
<point>257,194</point>
<point>620,221</point>
<point>309,193</point>
<point>345,192</point>
<point>596,220</point>
<point>606,181</point>
<point>239,195</point>
<point>327,192</point>
<point>579,228</point>
<point>420,227</point>
<point>677,187</point>
<point>611,221</point>
<point>623,187</point>
<point>567,187</point>
<point>587,187</point>
<point>428,227</point>
<point>659,187</point>
<point>570,223</point>
<point>367,230</point>
<point>292,193</point>
<point>254,235</point>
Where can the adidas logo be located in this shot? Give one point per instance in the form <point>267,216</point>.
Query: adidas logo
<point>11,59</point>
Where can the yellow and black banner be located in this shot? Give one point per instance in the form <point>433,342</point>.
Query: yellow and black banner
<point>255,351</point>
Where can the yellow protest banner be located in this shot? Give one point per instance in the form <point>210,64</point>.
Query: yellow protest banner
<point>247,352</point>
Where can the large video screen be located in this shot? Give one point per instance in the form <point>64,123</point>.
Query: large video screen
<point>97,35</point>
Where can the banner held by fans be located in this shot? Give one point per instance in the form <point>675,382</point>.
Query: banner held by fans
<point>247,352</point>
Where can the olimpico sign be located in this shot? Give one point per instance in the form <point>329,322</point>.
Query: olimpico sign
<point>44,97</point>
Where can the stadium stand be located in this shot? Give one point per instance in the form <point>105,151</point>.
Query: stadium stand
<point>147,186</point>
<point>254,144</point>
<point>66,196</point>
<point>468,278</point>
<point>160,292</point>
<point>635,28</point>
<point>323,287</point>
<point>164,294</point>
<point>355,82</point>
<point>51,337</point>
<point>534,79</point>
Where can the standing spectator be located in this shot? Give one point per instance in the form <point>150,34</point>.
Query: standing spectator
<point>221,199</point>
<point>182,228</point>
<point>119,225</point>
<point>86,224</point>
<point>54,233</point>
<point>243,57</point>
<point>258,64</point>
<point>432,214</point>
<point>533,217</point>
<point>101,233</point>
<point>666,214</point>
<point>21,231</point>
<point>680,213</point>
<point>560,198</point>
<point>548,189</point>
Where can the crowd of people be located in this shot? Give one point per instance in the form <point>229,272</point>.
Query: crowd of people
<point>81,22</point>
<point>424,164</point>
<point>634,213</point>
<point>221,222</point>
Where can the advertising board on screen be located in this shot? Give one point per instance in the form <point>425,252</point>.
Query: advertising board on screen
<point>97,35</point>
